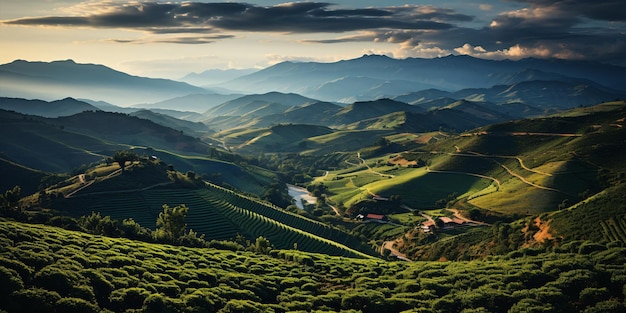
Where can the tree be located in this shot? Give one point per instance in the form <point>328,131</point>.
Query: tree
<point>262,245</point>
<point>123,156</point>
<point>12,196</point>
<point>171,223</point>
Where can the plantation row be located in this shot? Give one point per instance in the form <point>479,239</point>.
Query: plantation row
<point>47,269</point>
<point>282,236</point>
<point>282,216</point>
<point>220,214</point>
<point>614,230</point>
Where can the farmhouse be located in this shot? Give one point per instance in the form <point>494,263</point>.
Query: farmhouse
<point>370,217</point>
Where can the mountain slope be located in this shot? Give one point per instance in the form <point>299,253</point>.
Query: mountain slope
<point>194,102</point>
<point>369,109</point>
<point>542,94</point>
<point>249,103</point>
<point>61,79</point>
<point>446,73</point>
<point>188,127</point>
<point>38,144</point>
<point>125,129</point>
<point>65,107</point>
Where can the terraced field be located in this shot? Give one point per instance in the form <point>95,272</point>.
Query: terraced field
<point>219,213</point>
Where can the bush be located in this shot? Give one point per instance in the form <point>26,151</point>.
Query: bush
<point>56,279</point>
<point>531,306</point>
<point>128,298</point>
<point>201,301</point>
<point>157,303</point>
<point>242,306</point>
<point>610,306</point>
<point>10,281</point>
<point>33,300</point>
<point>361,299</point>
<point>76,305</point>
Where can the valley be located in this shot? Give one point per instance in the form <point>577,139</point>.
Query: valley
<point>367,186</point>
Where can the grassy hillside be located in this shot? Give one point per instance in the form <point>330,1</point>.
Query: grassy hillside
<point>65,107</point>
<point>187,127</point>
<point>522,167</point>
<point>46,269</point>
<point>131,130</point>
<point>44,146</point>
<point>29,180</point>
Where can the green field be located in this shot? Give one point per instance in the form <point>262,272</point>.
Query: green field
<point>218,213</point>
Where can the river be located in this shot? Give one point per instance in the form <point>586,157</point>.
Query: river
<point>299,193</point>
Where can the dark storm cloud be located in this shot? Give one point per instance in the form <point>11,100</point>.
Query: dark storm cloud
<point>568,29</point>
<point>298,17</point>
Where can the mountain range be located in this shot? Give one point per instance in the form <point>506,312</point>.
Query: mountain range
<point>374,76</point>
<point>61,79</point>
<point>362,79</point>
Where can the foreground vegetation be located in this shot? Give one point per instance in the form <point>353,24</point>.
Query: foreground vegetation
<point>47,269</point>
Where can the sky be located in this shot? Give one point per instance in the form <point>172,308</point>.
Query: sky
<point>170,39</point>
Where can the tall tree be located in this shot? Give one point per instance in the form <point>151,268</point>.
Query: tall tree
<point>171,223</point>
<point>123,156</point>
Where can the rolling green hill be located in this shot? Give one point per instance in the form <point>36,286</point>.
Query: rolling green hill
<point>40,145</point>
<point>47,269</point>
<point>187,127</point>
<point>29,180</point>
<point>130,130</point>
<point>65,107</point>
<point>216,212</point>
<point>526,166</point>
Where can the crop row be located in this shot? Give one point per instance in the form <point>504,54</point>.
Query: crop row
<point>614,230</point>
<point>202,217</point>
<point>280,235</point>
<point>120,206</point>
<point>278,214</point>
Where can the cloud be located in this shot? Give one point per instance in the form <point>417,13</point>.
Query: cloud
<point>293,17</point>
<point>176,40</point>
<point>574,29</point>
<point>605,10</point>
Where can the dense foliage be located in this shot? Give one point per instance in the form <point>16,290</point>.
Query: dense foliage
<point>47,269</point>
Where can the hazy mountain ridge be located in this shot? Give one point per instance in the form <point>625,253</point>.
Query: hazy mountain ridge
<point>56,108</point>
<point>214,76</point>
<point>61,79</point>
<point>193,102</point>
<point>449,73</point>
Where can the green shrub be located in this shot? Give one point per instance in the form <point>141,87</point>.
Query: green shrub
<point>201,301</point>
<point>242,306</point>
<point>590,296</point>
<point>76,305</point>
<point>56,279</point>
<point>128,298</point>
<point>22,269</point>
<point>102,288</point>
<point>363,299</point>
<point>589,247</point>
<point>531,306</point>
<point>33,300</point>
<point>610,306</point>
<point>157,303</point>
<point>10,281</point>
